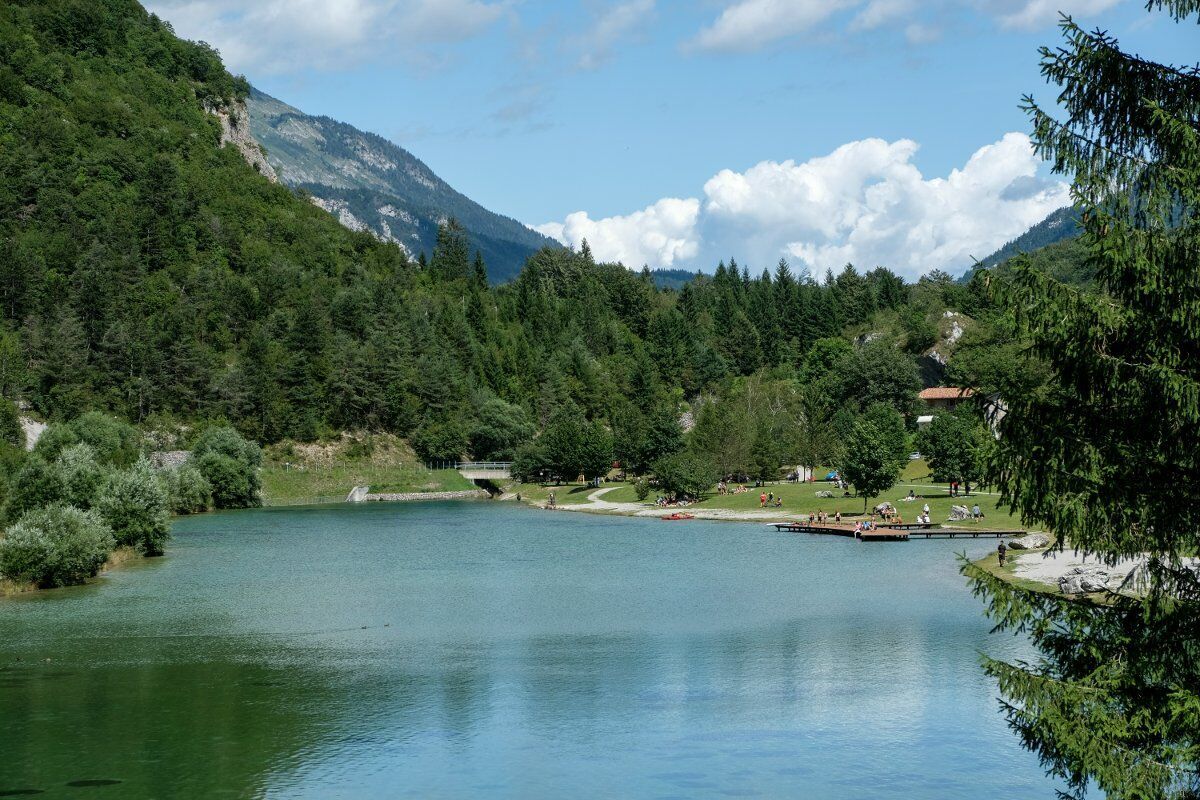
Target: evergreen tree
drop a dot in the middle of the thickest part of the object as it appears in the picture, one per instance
(452, 253)
(11, 431)
(479, 278)
(1105, 455)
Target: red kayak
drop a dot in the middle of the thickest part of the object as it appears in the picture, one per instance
(678, 515)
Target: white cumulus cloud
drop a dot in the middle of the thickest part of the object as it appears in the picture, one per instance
(661, 235)
(868, 204)
(865, 203)
(281, 36)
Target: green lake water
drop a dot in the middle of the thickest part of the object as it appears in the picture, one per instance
(441, 650)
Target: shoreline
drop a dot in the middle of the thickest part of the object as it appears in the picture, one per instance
(117, 559)
(597, 505)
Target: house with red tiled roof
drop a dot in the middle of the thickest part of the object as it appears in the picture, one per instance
(944, 398)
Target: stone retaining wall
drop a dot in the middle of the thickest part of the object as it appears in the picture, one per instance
(463, 495)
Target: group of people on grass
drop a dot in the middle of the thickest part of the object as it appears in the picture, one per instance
(769, 500)
(673, 501)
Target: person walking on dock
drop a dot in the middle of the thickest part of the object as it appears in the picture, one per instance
(1001, 551)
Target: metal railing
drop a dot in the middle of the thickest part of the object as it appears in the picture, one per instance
(484, 465)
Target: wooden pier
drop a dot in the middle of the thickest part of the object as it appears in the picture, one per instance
(894, 532)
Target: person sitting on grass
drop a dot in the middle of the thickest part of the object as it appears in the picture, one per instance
(976, 513)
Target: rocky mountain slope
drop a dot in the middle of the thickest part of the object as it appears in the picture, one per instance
(368, 183)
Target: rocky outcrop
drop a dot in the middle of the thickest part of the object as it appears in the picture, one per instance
(1089, 578)
(1030, 541)
(235, 130)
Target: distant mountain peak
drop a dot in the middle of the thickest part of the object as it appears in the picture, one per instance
(370, 183)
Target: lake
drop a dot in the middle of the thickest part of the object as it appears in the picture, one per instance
(482, 650)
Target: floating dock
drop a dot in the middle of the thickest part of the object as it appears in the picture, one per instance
(894, 532)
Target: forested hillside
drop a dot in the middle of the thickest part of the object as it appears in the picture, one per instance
(149, 272)
(368, 182)
(1061, 227)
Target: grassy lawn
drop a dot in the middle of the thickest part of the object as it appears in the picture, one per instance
(802, 498)
(295, 474)
(564, 493)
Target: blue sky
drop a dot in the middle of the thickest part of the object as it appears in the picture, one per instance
(677, 133)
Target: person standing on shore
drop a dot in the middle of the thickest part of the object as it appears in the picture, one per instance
(1001, 551)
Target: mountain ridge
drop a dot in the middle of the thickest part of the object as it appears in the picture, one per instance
(372, 184)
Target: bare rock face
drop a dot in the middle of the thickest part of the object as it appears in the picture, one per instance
(235, 130)
(33, 431)
(1030, 541)
(169, 459)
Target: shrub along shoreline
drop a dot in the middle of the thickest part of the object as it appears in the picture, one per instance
(86, 498)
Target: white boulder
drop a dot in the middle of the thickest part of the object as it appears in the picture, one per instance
(1030, 541)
